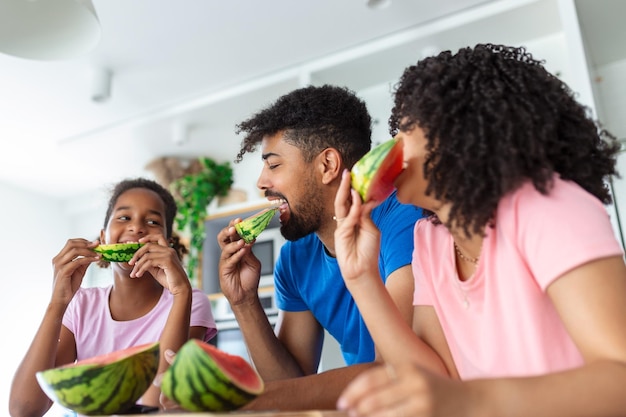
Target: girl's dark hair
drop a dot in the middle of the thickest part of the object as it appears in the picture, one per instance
(495, 118)
(167, 198)
(313, 118)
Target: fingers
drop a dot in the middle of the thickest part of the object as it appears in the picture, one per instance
(157, 255)
(169, 355)
(342, 197)
(373, 393)
(76, 250)
(228, 234)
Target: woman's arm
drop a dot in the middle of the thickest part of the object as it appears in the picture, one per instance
(591, 300)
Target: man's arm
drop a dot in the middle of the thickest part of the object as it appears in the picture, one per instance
(295, 352)
(319, 391)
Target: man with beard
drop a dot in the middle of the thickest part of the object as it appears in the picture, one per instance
(309, 138)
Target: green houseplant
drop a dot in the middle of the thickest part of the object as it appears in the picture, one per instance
(194, 192)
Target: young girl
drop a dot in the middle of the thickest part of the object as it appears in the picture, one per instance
(150, 298)
(520, 283)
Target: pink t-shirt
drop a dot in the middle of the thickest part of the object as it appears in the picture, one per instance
(501, 322)
(88, 317)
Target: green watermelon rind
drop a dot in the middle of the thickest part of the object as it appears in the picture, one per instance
(102, 389)
(118, 252)
(250, 228)
(364, 170)
(196, 381)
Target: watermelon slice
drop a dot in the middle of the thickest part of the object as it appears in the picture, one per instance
(373, 175)
(251, 227)
(205, 378)
(118, 252)
(106, 384)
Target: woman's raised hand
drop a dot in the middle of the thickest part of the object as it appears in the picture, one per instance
(357, 239)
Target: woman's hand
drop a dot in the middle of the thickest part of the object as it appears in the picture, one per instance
(157, 258)
(239, 270)
(357, 239)
(404, 390)
(70, 266)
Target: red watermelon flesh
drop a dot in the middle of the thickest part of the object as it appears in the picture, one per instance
(110, 357)
(374, 174)
(104, 384)
(205, 378)
(236, 368)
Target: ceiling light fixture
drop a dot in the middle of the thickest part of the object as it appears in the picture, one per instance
(101, 85)
(180, 133)
(48, 29)
(378, 4)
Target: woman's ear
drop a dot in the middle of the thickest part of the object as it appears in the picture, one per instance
(102, 237)
(330, 164)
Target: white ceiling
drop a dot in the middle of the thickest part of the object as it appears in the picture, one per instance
(168, 58)
(187, 62)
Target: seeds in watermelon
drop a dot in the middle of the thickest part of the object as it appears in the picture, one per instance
(373, 175)
(106, 384)
(205, 378)
(118, 252)
(250, 228)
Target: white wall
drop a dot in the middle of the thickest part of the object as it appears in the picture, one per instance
(34, 230)
(611, 89)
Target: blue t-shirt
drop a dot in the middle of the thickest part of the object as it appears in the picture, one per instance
(308, 279)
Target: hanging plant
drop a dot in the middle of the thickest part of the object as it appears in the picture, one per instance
(193, 193)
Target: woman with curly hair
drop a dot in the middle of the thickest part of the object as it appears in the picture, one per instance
(520, 283)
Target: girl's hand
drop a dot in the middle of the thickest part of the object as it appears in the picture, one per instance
(239, 270)
(158, 259)
(357, 239)
(404, 390)
(70, 266)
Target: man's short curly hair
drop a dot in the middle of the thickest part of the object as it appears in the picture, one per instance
(495, 118)
(313, 118)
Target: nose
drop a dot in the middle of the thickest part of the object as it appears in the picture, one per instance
(137, 226)
(263, 182)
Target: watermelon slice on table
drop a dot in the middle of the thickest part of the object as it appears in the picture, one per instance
(373, 175)
(106, 384)
(205, 378)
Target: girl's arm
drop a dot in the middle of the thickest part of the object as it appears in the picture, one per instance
(162, 262)
(175, 334)
(53, 344)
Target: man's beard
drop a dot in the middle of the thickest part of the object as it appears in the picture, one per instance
(305, 216)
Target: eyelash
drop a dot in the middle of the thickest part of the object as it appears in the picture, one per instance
(154, 222)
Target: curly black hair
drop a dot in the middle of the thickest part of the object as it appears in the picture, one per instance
(495, 118)
(313, 118)
(170, 209)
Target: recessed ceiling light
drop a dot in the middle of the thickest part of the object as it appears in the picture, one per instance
(378, 4)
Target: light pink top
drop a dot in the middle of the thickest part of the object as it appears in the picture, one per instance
(88, 317)
(501, 322)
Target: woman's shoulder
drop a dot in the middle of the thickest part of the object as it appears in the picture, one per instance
(562, 194)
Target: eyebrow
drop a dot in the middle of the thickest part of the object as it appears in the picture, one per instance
(267, 155)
